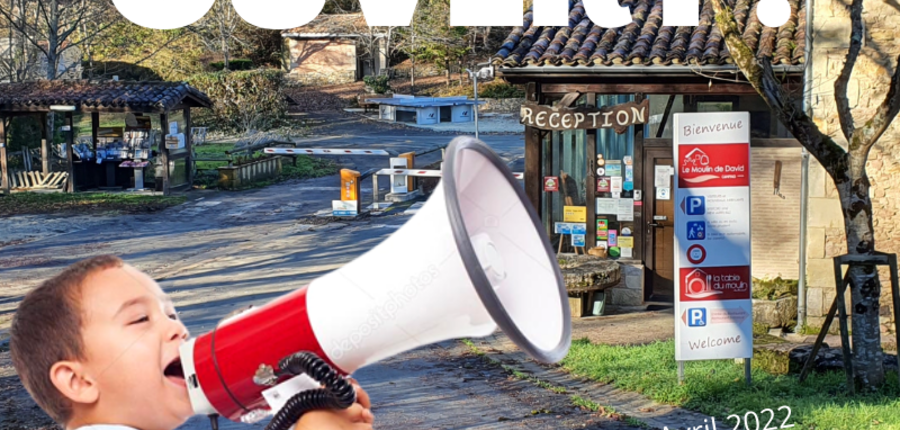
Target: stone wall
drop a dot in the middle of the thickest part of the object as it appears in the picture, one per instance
(322, 62)
(775, 221)
(867, 89)
(629, 292)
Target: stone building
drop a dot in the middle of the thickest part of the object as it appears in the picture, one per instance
(671, 66)
(590, 67)
(334, 49)
(867, 88)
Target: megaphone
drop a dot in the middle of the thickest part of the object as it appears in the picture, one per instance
(474, 258)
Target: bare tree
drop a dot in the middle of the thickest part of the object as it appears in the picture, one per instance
(376, 42)
(21, 60)
(847, 168)
(53, 27)
(219, 30)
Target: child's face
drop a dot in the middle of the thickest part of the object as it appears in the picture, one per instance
(131, 338)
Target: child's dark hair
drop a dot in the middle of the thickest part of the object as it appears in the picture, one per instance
(47, 329)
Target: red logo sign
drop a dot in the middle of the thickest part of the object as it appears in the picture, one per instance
(696, 254)
(716, 283)
(603, 185)
(703, 166)
(551, 183)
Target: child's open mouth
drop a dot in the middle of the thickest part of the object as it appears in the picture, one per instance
(174, 373)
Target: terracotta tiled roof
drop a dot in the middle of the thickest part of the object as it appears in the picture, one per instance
(87, 95)
(349, 23)
(647, 42)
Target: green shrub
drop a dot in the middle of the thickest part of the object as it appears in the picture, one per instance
(236, 64)
(26, 131)
(380, 84)
(773, 289)
(243, 101)
(500, 90)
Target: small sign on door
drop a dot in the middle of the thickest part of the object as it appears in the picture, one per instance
(663, 194)
(551, 184)
(663, 175)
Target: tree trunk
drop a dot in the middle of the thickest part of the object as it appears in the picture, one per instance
(868, 364)
(53, 40)
(225, 51)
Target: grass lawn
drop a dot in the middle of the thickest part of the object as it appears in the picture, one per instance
(48, 203)
(307, 167)
(212, 150)
(717, 388)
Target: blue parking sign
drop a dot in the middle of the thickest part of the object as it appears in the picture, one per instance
(696, 230)
(696, 317)
(694, 205)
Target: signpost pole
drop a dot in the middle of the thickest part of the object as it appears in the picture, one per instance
(747, 370)
(680, 372)
(475, 108)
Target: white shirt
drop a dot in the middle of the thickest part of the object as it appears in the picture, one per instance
(106, 427)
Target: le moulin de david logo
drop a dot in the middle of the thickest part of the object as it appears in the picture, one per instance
(714, 166)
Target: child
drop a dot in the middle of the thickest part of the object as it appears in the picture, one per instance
(93, 346)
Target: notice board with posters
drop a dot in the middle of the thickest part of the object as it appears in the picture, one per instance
(713, 306)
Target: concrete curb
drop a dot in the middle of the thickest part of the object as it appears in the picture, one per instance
(656, 416)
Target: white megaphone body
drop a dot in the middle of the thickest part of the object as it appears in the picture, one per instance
(474, 258)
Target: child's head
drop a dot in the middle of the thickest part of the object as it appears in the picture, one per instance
(98, 344)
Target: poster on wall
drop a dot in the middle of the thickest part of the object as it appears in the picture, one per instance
(603, 184)
(602, 224)
(606, 206)
(578, 240)
(574, 214)
(662, 176)
(615, 184)
(713, 307)
(614, 168)
(625, 209)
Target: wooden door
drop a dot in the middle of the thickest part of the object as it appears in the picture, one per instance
(659, 226)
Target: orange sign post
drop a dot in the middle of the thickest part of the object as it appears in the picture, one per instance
(349, 185)
(410, 164)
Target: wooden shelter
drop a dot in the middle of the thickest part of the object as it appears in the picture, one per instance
(68, 97)
(584, 69)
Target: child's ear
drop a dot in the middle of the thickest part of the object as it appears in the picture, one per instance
(72, 381)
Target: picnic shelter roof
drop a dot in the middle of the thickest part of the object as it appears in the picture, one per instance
(100, 96)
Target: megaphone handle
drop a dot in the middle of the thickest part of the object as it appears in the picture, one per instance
(337, 394)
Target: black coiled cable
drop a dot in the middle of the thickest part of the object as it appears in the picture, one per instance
(337, 394)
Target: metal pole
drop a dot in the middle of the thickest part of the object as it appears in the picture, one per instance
(680, 372)
(70, 142)
(747, 370)
(475, 80)
(804, 171)
(375, 192)
(804, 211)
